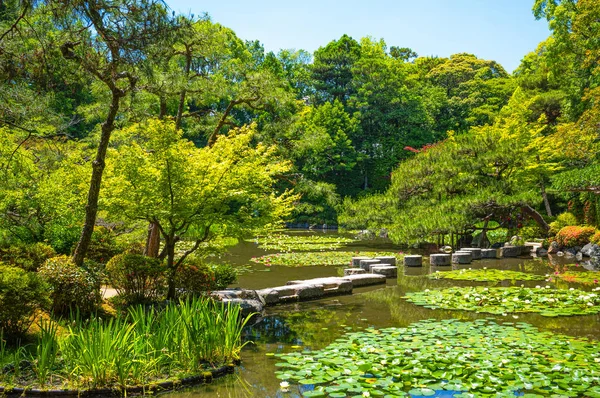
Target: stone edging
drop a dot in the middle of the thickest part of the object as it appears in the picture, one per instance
(205, 377)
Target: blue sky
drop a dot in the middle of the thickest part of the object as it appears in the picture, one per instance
(502, 30)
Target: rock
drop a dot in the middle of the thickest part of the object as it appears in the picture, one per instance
(462, 257)
(527, 249)
(571, 250)
(568, 254)
(365, 279)
(541, 252)
(560, 254)
(510, 251)
(389, 271)
(440, 259)
(365, 234)
(383, 233)
(553, 248)
(353, 271)
(413, 261)
(329, 286)
(593, 264)
(356, 261)
(591, 250)
(247, 306)
(446, 249)
(579, 256)
(366, 264)
(475, 252)
(489, 253)
(497, 245)
(515, 240)
(387, 259)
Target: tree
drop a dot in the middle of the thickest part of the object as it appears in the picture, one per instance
(194, 194)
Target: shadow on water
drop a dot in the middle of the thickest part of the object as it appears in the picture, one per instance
(314, 325)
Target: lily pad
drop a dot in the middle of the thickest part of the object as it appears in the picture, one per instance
(303, 259)
(485, 275)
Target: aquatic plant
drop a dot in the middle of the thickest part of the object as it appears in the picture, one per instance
(288, 243)
(499, 300)
(478, 358)
(305, 259)
(585, 277)
(485, 275)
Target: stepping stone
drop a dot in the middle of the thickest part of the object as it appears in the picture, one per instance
(366, 264)
(359, 280)
(440, 259)
(461, 257)
(510, 251)
(413, 261)
(389, 271)
(489, 253)
(356, 261)
(354, 271)
(475, 252)
(387, 259)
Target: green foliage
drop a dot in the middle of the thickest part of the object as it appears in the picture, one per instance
(103, 245)
(71, 287)
(307, 259)
(575, 236)
(498, 300)
(468, 358)
(27, 256)
(586, 278)
(562, 220)
(289, 243)
(22, 293)
(485, 275)
(138, 279)
(194, 278)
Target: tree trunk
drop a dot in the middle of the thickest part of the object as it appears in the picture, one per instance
(170, 247)
(484, 239)
(153, 241)
(537, 217)
(545, 197)
(91, 207)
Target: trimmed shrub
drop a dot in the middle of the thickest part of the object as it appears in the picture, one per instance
(596, 238)
(30, 257)
(137, 278)
(22, 293)
(574, 236)
(563, 220)
(71, 287)
(194, 278)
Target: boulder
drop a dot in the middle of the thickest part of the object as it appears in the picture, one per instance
(461, 257)
(387, 259)
(553, 248)
(353, 271)
(510, 251)
(475, 252)
(389, 271)
(593, 264)
(579, 256)
(497, 245)
(250, 301)
(591, 250)
(489, 253)
(440, 259)
(413, 261)
(541, 252)
(366, 264)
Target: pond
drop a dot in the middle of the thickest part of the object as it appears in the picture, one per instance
(316, 324)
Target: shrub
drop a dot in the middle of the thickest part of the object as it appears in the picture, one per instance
(574, 236)
(596, 238)
(103, 245)
(71, 287)
(194, 278)
(137, 278)
(30, 257)
(22, 293)
(531, 232)
(563, 220)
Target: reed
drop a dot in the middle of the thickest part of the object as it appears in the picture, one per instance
(46, 351)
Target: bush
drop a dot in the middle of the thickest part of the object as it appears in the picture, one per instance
(574, 236)
(29, 257)
(137, 278)
(563, 220)
(103, 245)
(71, 287)
(194, 278)
(531, 232)
(22, 293)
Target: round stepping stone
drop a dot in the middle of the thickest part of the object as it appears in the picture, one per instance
(489, 253)
(475, 252)
(390, 271)
(354, 271)
(366, 264)
(387, 259)
(510, 251)
(356, 261)
(440, 259)
(413, 261)
(462, 257)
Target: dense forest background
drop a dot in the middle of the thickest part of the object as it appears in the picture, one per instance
(369, 131)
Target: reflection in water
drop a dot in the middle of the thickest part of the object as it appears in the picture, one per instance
(313, 325)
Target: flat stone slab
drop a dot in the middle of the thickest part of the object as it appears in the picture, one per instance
(440, 259)
(366, 264)
(461, 257)
(354, 271)
(475, 252)
(329, 285)
(489, 253)
(356, 261)
(510, 251)
(387, 259)
(249, 300)
(413, 261)
(359, 280)
(389, 271)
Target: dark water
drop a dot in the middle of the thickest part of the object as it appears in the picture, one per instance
(313, 325)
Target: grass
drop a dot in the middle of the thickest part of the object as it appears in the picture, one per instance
(143, 346)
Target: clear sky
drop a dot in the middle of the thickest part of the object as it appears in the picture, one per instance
(501, 30)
